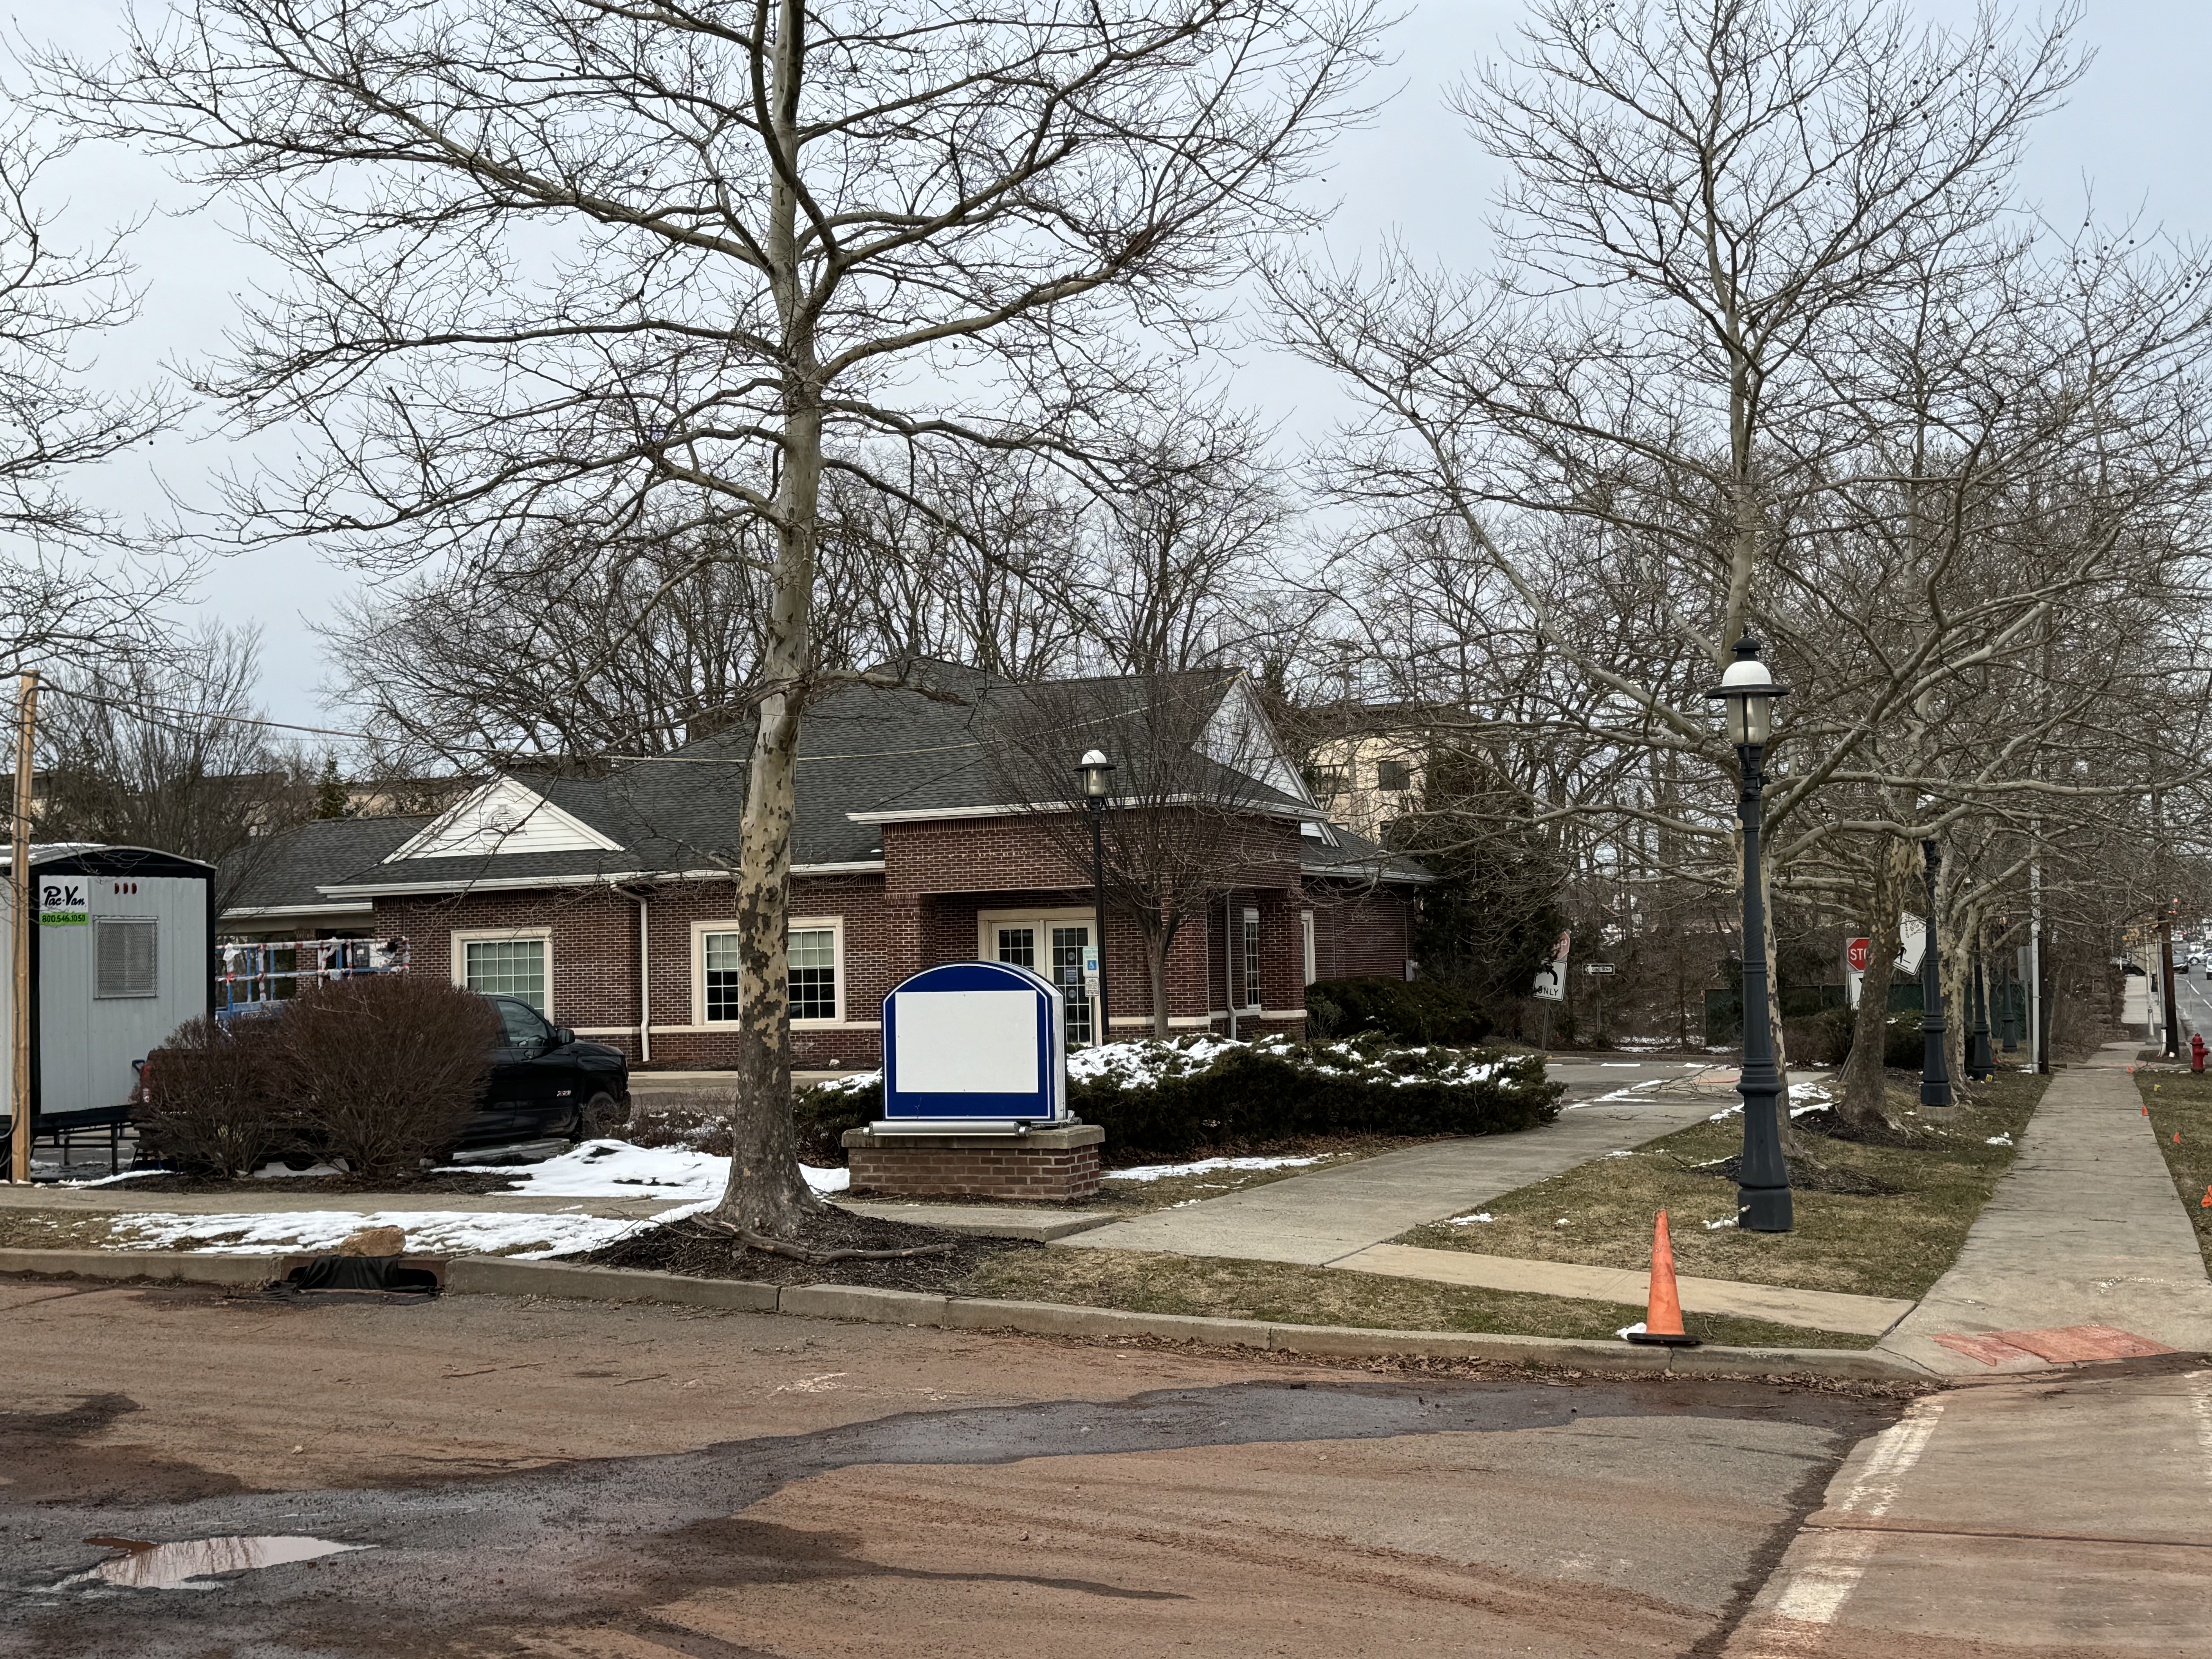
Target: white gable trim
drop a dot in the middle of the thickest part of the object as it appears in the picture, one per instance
(1242, 738)
(504, 816)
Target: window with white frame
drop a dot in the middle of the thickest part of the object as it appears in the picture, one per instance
(1251, 959)
(504, 965)
(1306, 937)
(815, 955)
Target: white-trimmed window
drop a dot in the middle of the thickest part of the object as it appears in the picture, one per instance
(1306, 932)
(1251, 958)
(816, 951)
(506, 961)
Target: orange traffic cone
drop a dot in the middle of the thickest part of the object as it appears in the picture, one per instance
(1663, 1319)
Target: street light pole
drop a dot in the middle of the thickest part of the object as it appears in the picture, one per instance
(1097, 783)
(1762, 1201)
(1935, 1066)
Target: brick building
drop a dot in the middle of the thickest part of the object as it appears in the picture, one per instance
(605, 899)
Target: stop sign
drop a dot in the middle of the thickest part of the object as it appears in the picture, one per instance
(1858, 952)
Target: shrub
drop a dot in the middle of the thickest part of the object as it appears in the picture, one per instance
(385, 1069)
(1902, 1045)
(1410, 1009)
(212, 1105)
(1170, 1098)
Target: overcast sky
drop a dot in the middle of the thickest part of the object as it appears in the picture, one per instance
(2138, 130)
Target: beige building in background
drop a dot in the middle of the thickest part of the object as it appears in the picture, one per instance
(1367, 783)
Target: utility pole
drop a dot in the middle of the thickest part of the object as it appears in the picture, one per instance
(26, 918)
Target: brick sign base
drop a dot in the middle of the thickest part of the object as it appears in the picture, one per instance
(1056, 1164)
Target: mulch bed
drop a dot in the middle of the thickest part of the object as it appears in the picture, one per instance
(1808, 1176)
(694, 1247)
(1826, 1122)
(491, 1181)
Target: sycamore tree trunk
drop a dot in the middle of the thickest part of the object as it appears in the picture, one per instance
(1156, 961)
(767, 1194)
(1863, 1102)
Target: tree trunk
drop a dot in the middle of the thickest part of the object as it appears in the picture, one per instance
(767, 1194)
(1157, 962)
(1863, 1103)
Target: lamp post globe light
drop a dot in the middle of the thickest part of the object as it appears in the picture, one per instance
(1097, 785)
(1763, 1204)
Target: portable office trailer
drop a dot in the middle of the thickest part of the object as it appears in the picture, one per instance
(122, 953)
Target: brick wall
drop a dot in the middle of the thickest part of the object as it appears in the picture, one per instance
(1361, 932)
(941, 877)
(992, 1171)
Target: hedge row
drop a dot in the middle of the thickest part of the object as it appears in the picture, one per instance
(1170, 1099)
(1410, 1009)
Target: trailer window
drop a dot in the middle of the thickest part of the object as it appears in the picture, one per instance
(126, 947)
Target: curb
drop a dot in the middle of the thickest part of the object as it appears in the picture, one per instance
(493, 1275)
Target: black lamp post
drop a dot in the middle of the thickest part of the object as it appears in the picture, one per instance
(1934, 1067)
(1980, 1065)
(1097, 784)
(1763, 1204)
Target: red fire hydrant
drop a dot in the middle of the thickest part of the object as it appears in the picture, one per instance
(2196, 1051)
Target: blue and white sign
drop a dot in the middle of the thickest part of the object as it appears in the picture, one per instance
(978, 1043)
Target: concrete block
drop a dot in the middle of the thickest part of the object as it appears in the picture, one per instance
(1347, 1342)
(859, 1302)
(173, 1266)
(1066, 1319)
(1850, 1364)
(493, 1275)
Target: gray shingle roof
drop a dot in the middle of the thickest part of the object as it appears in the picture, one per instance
(957, 740)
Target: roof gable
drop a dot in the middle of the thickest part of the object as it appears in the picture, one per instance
(505, 816)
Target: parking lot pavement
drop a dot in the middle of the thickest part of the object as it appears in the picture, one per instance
(576, 1479)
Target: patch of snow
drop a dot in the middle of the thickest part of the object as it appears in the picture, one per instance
(115, 1180)
(1561, 1222)
(1620, 1155)
(275, 1169)
(1206, 1166)
(1725, 1221)
(615, 1169)
(1469, 1220)
(1627, 1331)
(1998, 1140)
(429, 1232)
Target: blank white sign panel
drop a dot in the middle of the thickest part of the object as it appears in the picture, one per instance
(967, 1042)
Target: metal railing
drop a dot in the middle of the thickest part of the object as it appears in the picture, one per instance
(258, 972)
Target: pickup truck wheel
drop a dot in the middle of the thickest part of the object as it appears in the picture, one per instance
(600, 1115)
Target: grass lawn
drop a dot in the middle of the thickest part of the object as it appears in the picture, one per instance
(2181, 1104)
(1600, 1212)
(1220, 1288)
(54, 1229)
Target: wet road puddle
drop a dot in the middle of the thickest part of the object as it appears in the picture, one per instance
(189, 1562)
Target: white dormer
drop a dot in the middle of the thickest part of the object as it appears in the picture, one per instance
(1241, 738)
(503, 816)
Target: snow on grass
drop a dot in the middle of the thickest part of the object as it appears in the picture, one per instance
(615, 1169)
(1469, 1220)
(1206, 1166)
(428, 1232)
(1803, 1098)
(1998, 1140)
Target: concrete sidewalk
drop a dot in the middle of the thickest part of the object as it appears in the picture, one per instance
(2069, 1517)
(1319, 1218)
(2085, 1229)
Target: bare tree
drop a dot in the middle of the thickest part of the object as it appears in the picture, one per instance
(162, 749)
(72, 578)
(1203, 801)
(554, 260)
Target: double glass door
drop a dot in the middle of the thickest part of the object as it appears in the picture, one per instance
(1062, 945)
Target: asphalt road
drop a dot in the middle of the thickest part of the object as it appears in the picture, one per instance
(564, 1479)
